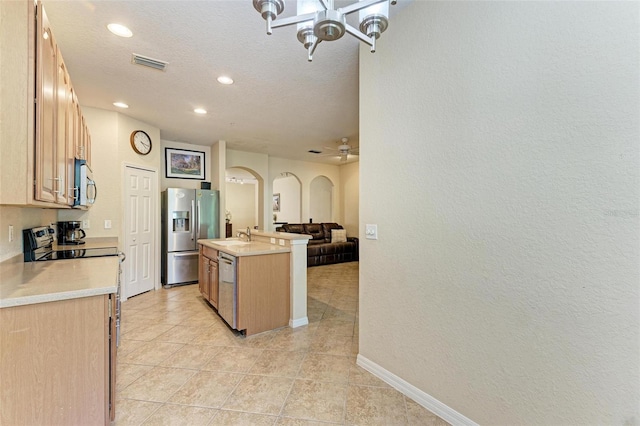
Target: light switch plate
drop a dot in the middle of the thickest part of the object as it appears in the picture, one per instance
(281, 241)
(107, 224)
(371, 232)
(272, 240)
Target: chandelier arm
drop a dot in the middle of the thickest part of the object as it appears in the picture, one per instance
(292, 20)
(312, 48)
(354, 7)
(360, 36)
(326, 4)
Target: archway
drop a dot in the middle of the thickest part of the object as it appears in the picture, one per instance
(243, 201)
(321, 199)
(287, 195)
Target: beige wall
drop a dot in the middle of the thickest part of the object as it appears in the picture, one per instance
(20, 218)
(505, 280)
(350, 197)
(110, 151)
(306, 172)
(290, 191)
(270, 168)
(185, 183)
(241, 202)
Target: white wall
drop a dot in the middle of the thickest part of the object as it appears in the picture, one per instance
(505, 280)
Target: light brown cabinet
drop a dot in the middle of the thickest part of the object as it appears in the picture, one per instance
(58, 362)
(263, 292)
(41, 142)
(208, 275)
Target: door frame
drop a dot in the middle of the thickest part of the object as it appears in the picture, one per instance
(123, 217)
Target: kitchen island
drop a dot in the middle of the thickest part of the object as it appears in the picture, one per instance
(251, 289)
(255, 285)
(57, 341)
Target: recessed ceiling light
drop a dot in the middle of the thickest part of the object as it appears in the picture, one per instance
(120, 30)
(223, 79)
(121, 105)
(200, 111)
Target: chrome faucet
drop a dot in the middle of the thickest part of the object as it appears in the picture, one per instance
(247, 234)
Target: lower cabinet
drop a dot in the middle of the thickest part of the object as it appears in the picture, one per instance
(262, 289)
(208, 275)
(58, 362)
(263, 292)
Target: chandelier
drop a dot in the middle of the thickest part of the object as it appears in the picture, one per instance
(318, 20)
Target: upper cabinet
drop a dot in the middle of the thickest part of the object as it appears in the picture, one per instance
(47, 130)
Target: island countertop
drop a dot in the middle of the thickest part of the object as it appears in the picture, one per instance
(235, 247)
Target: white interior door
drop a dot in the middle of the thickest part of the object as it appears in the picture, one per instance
(141, 198)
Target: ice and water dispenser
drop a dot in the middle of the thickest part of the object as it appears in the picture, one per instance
(181, 222)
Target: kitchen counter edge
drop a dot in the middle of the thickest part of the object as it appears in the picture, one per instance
(253, 248)
(28, 283)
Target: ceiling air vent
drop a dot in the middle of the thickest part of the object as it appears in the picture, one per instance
(148, 62)
(315, 151)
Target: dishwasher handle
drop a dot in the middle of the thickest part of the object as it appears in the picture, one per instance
(226, 258)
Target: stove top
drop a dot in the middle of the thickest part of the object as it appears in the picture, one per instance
(78, 253)
(38, 246)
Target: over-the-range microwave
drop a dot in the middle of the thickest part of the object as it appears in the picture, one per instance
(85, 189)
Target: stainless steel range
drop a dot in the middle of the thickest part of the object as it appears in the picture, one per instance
(38, 246)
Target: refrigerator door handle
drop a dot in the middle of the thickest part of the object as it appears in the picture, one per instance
(198, 219)
(185, 254)
(193, 220)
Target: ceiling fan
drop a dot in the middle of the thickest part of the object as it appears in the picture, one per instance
(343, 150)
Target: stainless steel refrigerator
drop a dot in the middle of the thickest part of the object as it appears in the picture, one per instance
(187, 215)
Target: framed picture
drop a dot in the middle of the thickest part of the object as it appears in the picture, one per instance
(184, 164)
(276, 202)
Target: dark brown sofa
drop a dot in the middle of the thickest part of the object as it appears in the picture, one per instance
(320, 249)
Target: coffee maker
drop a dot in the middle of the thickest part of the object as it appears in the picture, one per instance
(70, 232)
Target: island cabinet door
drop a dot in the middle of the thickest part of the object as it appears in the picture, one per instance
(263, 292)
(213, 283)
(204, 274)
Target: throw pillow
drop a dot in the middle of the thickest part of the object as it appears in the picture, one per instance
(338, 235)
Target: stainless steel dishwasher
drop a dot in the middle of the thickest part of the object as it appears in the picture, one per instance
(227, 289)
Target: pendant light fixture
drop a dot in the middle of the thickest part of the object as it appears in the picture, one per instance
(318, 20)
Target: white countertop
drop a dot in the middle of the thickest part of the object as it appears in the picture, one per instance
(26, 283)
(253, 248)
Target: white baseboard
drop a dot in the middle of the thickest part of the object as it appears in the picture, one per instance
(427, 401)
(298, 322)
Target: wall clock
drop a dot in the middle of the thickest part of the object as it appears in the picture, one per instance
(140, 142)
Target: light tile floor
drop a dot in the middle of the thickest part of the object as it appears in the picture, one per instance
(180, 364)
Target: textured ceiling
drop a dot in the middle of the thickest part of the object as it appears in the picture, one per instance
(280, 104)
